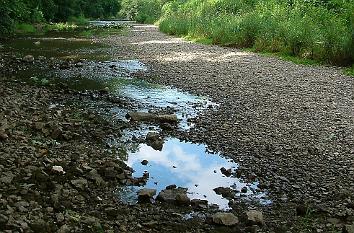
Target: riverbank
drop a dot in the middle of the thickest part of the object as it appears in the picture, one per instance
(289, 125)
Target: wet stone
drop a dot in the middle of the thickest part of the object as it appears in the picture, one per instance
(170, 195)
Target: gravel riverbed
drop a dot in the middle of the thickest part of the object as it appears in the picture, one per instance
(288, 125)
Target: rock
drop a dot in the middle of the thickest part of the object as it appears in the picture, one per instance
(244, 190)
(81, 184)
(93, 175)
(226, 172)
(145, 116)
(152, 136)
(28, 58)
(144, 162)
(170, 195)
(226, 219)
(58, 169)
(199, 204)
(225, 192)
(255, 217)
(3, 136)
(145, 195)
(172, 186)
(156, 145)
(104, 90)
(154, 140)
(182, 199)
(79, 64)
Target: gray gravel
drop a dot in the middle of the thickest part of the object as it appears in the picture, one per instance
(289, 125)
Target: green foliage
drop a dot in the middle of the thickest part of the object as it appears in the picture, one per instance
(25, 28)
(40, 11)
(143, 11)
(309, 29)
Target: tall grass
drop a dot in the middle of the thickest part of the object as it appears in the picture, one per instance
(311, 29)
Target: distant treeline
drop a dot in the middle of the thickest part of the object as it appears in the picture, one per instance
(36, 11)
(316, 29)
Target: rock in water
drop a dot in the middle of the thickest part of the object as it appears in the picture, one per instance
(144, 162)
(226, 219)
(28, 58)
(154, 140)
(145, 116)
(178, 196)
(255, 217)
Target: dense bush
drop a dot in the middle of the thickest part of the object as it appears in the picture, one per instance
(315, 29)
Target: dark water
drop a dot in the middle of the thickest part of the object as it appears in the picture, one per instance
(184, 164)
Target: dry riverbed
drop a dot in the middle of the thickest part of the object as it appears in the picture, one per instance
(288, 127)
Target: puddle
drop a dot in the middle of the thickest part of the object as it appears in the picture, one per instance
(189, 166)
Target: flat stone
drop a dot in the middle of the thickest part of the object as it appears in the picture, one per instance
(145, 116)
(226, 219)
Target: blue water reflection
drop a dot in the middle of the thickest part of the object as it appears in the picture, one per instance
(190, 166)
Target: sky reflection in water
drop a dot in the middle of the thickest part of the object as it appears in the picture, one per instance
(186, 165)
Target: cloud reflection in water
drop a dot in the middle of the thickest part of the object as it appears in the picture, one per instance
(186, 165)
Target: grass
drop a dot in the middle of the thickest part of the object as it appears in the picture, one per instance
(349, 71)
